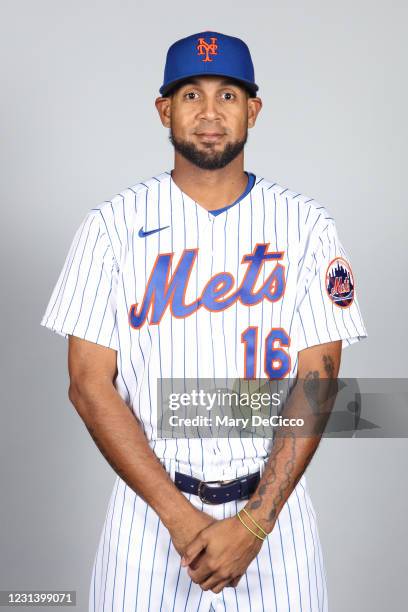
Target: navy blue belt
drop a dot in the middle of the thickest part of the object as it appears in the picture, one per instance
(228, 490)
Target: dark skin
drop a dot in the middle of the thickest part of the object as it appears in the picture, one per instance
(197, 112)
(210, 113)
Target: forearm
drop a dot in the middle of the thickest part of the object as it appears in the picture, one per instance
(120, 438)
(311, 400)
(287, 462)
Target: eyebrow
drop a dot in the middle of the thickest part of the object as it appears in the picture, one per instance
(195, 81)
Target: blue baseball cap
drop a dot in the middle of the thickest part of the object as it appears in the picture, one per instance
(208, 53)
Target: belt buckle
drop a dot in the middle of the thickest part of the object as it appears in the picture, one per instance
(205, 482)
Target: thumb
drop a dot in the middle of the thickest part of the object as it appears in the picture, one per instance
(193, 550)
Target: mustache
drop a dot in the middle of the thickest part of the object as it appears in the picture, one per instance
(216, 129)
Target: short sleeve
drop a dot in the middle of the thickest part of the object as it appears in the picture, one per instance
(83, 301)
(327, 306)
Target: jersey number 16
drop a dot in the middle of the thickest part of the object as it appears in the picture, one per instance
(276, 359)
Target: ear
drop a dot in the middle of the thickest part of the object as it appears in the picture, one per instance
(254, 107)
(163, 106)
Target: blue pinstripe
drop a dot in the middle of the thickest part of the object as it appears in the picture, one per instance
(154, 559)
(65, 277)
(110, 534)
(86, 280)
(272, 574)
(314, 545)
(296, 559)
(96, 293)
(283, 558)
(77, 277)
(165, 574)
(117, 548)
(140, 556)
(135, 498)
(304, 540)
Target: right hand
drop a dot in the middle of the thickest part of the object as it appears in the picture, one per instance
(184, 531)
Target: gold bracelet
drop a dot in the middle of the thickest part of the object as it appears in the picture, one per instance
(249, 529)
(254, 521)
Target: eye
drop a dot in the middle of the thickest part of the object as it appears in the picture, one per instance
(228, 95)
(190, 95)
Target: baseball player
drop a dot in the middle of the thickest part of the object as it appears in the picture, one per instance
(203, 271)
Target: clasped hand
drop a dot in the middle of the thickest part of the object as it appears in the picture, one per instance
(220, 554)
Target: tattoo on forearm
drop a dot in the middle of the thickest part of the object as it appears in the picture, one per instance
(328, 365)
(311, 389)
(270, 477)
(317, 391)
(289, 481)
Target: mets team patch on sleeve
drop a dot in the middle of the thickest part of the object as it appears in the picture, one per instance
(340, 282)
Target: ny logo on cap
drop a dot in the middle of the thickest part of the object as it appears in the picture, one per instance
(207, 49)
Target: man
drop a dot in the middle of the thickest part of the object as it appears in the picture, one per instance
(206, 271)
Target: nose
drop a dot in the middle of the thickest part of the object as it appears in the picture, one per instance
(209, 109)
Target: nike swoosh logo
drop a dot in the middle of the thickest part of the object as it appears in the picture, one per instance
(143, 234)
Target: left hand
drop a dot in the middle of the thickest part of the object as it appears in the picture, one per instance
(220, 554)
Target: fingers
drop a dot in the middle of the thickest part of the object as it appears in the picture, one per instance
(234, 582)
(215, 583)
(206, 576)
(221, 585)
(196, 561)
(201, 571)
(193, 550)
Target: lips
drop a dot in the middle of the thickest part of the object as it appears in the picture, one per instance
(210, 135)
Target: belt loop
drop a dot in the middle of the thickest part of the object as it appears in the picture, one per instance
(171, 468)
(262, 464)
(244, 488)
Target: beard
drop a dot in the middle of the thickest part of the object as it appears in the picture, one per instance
(208, 159)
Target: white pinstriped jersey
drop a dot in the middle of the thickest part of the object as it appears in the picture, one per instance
(107, 271)
(182, 293)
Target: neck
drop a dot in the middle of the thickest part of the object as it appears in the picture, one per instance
(211, 189)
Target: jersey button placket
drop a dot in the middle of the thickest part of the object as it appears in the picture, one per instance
(206, 249)
(215, 227)
(211, 218)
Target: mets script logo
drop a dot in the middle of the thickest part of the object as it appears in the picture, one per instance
(340, 282)
(207, 48)
(165, 290)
